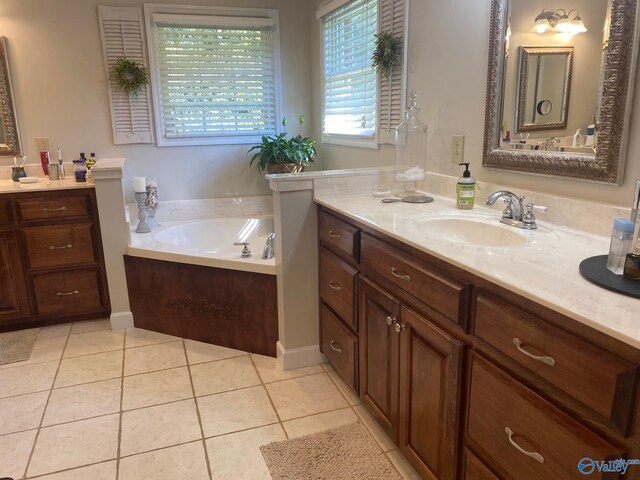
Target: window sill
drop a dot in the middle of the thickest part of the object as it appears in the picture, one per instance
(345, 141)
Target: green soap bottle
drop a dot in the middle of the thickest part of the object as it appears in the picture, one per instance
(465, 189)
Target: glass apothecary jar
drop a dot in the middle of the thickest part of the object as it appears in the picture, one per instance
(411, 148)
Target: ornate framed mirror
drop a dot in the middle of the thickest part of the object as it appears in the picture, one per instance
(10, 145)
(599, 80)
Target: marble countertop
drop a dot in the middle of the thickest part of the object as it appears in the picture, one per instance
(545, 270)
(43, 184)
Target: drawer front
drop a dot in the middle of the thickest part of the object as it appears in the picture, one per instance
(59, 246)
(564, 360)
(528, 437)
(338, 284)
(340, 346)
(6, 216)
(68, 292)
(66, 206)
(438, 290)
(474, 469)
(339, 234)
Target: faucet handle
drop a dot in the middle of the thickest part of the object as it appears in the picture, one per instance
(529, 218)
(246, 251)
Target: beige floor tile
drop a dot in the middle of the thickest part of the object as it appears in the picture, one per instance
(237, 410)
(224, 375)
(303, 396)
(83, 401)
(27, 379)
(94, 342)
(199, 352)
(327, 367)
(44, 350)
(138, 337)
(237, 456)
(319, 423)
(154, 357)
(90, 326)
(14, 453)
(89, 368)
(402, 465)
(348, 393)
(23, 412)
(54, 331)
(160, 426)
(374, 429)
(99, 471)
(270, 370)
(155, 388)
(184, 461)
(75, 444)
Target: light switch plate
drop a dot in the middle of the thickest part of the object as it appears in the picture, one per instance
(457, 150)
(43, 144)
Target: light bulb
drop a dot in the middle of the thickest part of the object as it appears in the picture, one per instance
(542, 25)
(577, 26)
(564, 25)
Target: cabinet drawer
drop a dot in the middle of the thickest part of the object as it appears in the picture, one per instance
(474, 469)
(338, 284)
(60, 245)
(53, 207)
(6, 216)
(571, 364)
(68, 292)
(340, 346)
(339, 234)
(445, 294)
(528, 437)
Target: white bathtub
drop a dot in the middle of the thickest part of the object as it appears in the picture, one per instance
(208, 242)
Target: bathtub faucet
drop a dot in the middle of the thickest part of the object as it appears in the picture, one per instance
(267, 253)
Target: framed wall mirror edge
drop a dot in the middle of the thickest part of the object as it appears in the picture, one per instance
(556, 155)
(10, 144)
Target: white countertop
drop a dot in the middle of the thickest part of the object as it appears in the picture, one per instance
(545, 270)
(43, 184)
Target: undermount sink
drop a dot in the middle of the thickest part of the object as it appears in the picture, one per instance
(468, 229)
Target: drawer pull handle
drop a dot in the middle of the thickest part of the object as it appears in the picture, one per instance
(61, 247)
(402, 276)
(335, 235)
(61, 209)
(544, 359)
(335, 346)
(535, 455)
(390, 320)
(67, 294)
(335, 286)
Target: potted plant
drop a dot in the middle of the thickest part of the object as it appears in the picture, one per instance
(277, 154)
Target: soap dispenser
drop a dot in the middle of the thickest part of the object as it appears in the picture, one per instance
(465, 189)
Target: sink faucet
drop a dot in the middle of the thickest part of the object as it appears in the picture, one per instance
(550, 142)
(267, 253)
(514, 214)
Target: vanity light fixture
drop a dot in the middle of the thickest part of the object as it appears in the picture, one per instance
(559, 22)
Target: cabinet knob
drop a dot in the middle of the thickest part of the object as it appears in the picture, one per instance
(390, 320)
(400, 328)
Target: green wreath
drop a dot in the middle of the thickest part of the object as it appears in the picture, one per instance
(386, 54)
(128, 76)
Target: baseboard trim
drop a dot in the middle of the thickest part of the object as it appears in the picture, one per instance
(121, 320)
(300, 357)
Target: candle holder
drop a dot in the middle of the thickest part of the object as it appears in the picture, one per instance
(141, 200)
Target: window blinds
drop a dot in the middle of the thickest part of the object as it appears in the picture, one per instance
(216, 76)
(350, 83)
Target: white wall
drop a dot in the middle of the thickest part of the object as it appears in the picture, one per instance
(448, 51)
(61, 92)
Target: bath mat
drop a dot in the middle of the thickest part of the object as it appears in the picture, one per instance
(343, 453)
(17, 346)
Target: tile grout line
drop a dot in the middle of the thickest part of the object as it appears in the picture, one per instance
(195, 401)
(264, 385)
(121, 415)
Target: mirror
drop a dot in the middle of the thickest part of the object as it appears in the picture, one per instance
(573, 72)
(10, 145)
(544, 88)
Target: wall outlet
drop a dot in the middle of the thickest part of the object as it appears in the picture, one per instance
(457, 150)
(43, 144)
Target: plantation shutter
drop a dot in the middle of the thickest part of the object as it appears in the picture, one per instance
(216, 76)
(121, 30)
(392, 89)
(350, 87)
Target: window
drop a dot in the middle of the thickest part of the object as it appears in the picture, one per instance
(350, 85)
(214, 74)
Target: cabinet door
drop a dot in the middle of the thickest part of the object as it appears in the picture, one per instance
(13, 294)
(379, 350)
(430, 378)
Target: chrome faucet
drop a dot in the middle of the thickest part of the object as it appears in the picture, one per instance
(268, 252)
(514, 214)
(550, 142)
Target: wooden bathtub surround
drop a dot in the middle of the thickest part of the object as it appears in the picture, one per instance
(224, 307)
(51, 262)
(470, 380)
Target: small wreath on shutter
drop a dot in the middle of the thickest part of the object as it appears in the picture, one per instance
(386, 54)
(128, 76)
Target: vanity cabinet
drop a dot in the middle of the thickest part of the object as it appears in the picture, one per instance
(52, 268)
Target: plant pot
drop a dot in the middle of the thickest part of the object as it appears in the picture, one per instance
(285, 168)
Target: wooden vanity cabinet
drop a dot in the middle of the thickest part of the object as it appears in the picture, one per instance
(14, 302)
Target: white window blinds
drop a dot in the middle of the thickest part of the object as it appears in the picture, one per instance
(349, 103)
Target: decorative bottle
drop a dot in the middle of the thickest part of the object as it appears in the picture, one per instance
(411, 148)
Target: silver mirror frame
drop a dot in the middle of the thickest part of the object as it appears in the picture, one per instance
(615, 106)
(12, 146)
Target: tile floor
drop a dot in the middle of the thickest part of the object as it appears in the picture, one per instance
(97, 404)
